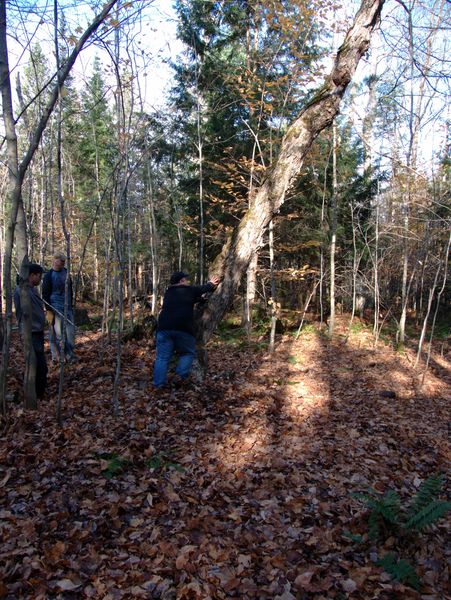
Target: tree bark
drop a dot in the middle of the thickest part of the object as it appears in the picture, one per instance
(333, 231)
(273, 302)
(153, 232)
(251, 289)
(267, 200)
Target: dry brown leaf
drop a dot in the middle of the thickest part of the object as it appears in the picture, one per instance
(67, 585)
(349, 586)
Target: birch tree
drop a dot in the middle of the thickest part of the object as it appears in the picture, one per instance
(269, 197)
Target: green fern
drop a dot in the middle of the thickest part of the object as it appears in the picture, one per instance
(388, 517)
(428, 515)
(389, 507)
(400, 570)
(115, 466)
(374, 526)
(161, 462)
(384, 510)
(367, 499)
(424, 510)
(427, 492)
(356, 538)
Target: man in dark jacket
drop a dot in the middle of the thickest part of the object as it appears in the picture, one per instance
(54, 294)
(37, 325)
(175, 328)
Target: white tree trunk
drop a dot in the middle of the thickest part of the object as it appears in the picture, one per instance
(333, 231)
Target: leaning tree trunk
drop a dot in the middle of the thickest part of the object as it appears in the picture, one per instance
(267, 200)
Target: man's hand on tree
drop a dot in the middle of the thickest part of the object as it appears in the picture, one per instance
(215, 280)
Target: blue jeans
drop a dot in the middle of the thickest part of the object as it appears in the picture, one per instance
(56, 335)
(168, 342)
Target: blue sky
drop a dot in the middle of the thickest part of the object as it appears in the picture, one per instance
(155, 43)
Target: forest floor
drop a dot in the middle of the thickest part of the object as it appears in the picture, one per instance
(239, 489)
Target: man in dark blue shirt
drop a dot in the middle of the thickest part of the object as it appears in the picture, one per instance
(54, 294)
(175, 328)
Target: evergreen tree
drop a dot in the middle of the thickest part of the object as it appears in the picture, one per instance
(97, 147)
(248, 66)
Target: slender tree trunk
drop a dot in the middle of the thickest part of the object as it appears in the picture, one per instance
(323, 243)
(333, 231)
(26, 307)
(355, 268)
(442, 263)
(99, 201)
(42, 200)
(153, 244)
(251, 286)
(201, 189)
(117, 373)
(96, 265)
(107, 286)
(439, 295)
(121, 201)
(130, 269)
(273, 300)
(376, 272)
(405, 268)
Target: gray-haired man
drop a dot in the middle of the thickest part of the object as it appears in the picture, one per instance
(54, 294)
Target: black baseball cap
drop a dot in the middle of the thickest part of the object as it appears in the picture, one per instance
(34, 269)
(178, 276)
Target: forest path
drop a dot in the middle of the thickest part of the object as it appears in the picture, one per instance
(239, 490)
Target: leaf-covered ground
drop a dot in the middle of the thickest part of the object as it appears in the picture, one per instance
(240, 489)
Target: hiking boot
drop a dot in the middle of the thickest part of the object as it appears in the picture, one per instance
(180, 382)
(159, 391)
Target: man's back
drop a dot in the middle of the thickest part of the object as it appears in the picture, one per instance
(178, 305)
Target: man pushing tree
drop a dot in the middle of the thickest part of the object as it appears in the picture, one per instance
(175, 328)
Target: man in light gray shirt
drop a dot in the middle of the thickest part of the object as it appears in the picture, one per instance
(38, 324)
